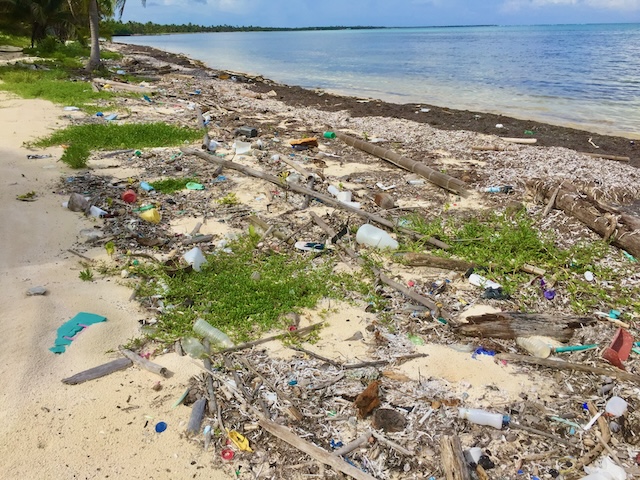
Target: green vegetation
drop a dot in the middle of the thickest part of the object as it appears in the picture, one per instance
(53, 84)
(82, 139)
(243, 293)
(115, 27)
(170, 185)
(503, 244)
(86, 275)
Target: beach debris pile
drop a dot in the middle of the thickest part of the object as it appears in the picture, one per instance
(453, 377)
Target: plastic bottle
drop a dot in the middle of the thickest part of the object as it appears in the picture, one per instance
(193, 347)
(616, 407)
(481, 417)
(195, 258)
(480, 281)
(129, 196)
(215, 336)
(375, 237)
(536, 346)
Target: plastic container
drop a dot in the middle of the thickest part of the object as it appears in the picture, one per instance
(534, 346)
(616, 407)
(146, 186)
(480, 281)
(474, 454)
(481, 417)
(195, 258)
(329, 135)
(215, 336)
(151, 215)
(193, 347)
(129, 196)
(375, 237)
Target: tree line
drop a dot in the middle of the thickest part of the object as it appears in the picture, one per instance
(117, 28)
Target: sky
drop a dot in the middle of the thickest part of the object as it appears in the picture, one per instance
(388, 13)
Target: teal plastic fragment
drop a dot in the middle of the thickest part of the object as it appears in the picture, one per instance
(574, 348)
(68, 330)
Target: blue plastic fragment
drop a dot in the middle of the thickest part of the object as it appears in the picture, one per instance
(335, 445)
(482, 351)
(293, 382)
(615, 314)
(161, 427)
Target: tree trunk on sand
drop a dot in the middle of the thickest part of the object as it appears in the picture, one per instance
(94, 27)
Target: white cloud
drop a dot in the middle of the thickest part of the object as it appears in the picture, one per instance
(227, 6)
(513, 5)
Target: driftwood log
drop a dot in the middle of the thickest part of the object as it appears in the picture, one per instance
(452, 459)
(326, 199)
(433, 261)
(622, 229)
(434, 176)
(510, 325)
(144, 363)
(578, 367)
(99, 371)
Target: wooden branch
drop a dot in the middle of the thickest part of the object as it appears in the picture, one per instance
(326, 199)
(617, 158)
(123, 86)
(296, 166)
(452, 458)
(426, 260)
(144, 363)
(622, 230)
(99, 371)
(541, 433)
(351, 446)
(197, 239)
(434, 176)
(561, 365)
(312, 450)
(552, 202)
(295, 333)
(510, 325)
(197, 413)
(523, 141)
(391, 444)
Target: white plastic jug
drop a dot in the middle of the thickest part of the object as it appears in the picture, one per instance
(481, 417)
(195, 258)
(374, 237)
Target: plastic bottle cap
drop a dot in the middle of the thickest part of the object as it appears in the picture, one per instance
(161, 427)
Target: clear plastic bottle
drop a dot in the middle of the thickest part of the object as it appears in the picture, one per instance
(481, 417)
(217, 337)
(193, 347)
(480, 281)
(536, 346)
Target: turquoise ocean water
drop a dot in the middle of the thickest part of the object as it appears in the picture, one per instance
(584, 76)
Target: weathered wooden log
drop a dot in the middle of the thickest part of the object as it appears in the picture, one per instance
(426, 260)
(510, 325)
(621, 229)
(197, 414)
(305, 191)
(522, 141)
(312, 450)
(578, 367)
(617, 158)
(434, 176)
(197, 239)
(144, 363)
(452, 458)
(99, 371)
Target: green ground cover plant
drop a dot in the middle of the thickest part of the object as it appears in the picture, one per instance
(170, 185)
(243, 293)
(82, 139)
(501, 244)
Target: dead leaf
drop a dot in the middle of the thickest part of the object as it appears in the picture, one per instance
(368, 400)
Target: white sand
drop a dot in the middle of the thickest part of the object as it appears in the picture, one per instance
(96, 429)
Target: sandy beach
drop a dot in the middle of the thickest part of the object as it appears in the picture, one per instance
(106, 428)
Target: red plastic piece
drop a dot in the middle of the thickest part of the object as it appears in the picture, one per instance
(227, 454)
(619, 349)
(129, 196)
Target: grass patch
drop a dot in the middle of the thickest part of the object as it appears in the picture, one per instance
(14, 40)
(53, 85)
(82, 139)
(170, 185)
(243, 293)
(502, 245)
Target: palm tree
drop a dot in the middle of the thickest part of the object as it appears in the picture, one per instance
(42, 16)
(95, 10)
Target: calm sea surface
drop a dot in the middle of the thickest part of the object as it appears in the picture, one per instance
(584, 76)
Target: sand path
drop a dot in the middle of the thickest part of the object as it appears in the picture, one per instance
(99, 429)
